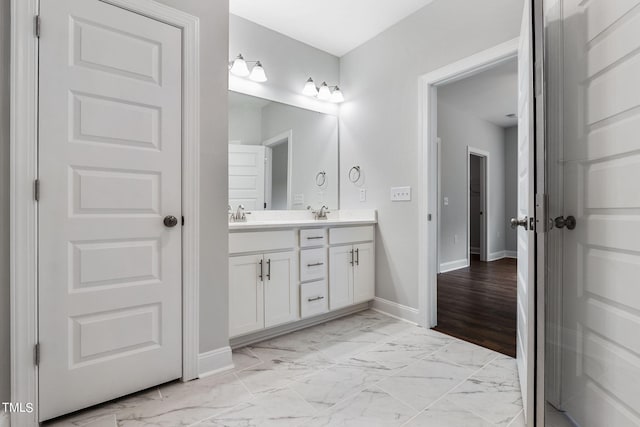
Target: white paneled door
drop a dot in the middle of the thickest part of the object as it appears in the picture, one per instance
(110, 170)
(247, 176)
(525, 351)
(601, 263)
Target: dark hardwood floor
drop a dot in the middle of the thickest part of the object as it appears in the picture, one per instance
(478, 304)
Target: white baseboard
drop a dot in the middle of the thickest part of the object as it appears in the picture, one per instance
(5, 419)
(474, 250)
(215, 361)
(511, 254)
(502, 254)
(454, 265)
(393, 309)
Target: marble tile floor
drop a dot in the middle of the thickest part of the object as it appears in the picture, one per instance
(363, 370)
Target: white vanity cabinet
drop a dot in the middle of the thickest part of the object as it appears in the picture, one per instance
(263, 286)
(352, 266)
(280, 276)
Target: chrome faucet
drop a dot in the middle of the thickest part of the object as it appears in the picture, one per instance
(321, 213)
(239, 216)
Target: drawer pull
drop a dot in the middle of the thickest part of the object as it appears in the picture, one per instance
(316, 264)
(315, 237)
(314, 299)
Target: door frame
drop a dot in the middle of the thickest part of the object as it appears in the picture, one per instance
(484, 203)
(428, 211)
(269, 144)
(24, 208)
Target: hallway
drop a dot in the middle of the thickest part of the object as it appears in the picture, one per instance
(478, 304)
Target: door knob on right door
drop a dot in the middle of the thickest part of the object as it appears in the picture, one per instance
(562, 222)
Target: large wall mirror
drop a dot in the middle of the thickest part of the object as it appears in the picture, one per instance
(281, 156)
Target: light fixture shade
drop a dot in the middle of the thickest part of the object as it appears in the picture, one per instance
(324, 93)
(258, 74)
(337, 96)
(310, 88)
(239, 67)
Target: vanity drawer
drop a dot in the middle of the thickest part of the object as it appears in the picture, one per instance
(313, 237)
(260, 241)
(343, 235)
(313, 298)
(313, 264)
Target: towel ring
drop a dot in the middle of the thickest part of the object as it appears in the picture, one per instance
(354, 174)
(321, 178)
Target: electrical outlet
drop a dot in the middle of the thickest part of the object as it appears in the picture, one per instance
(298, 199)
(399, 194)
(363, 194)
(446, 201)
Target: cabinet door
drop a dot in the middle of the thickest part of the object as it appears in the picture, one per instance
(246, 297)
(280, 288)
(363, 273)
(340, 276)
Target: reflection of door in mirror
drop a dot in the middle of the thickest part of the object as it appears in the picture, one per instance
(246, 176)
(278, 171)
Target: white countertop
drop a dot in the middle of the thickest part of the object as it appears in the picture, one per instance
(285, 219)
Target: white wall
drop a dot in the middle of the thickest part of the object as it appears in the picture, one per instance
(315, 149)
(214, 44)
(458, 129)
(5, 384)
(245, 124)
(379, 122)
(287, 62)
(511, 186)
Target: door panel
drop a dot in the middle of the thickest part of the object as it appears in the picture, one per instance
(525, 351)
(601, 296)
(246, 296)
(110, 282)
(340, 276)
(280, 289)
(247, 176)
(363, 273)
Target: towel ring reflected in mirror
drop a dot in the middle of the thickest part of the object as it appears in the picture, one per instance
(321, 178)
(354, 174)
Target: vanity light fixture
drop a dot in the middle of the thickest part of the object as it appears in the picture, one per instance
(324, 92)
(239, 67)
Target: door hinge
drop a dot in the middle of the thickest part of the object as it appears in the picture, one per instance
(542, 224)
(429, 217)
(37, 25)
(36, 354)
(183, 220)
(36, 190)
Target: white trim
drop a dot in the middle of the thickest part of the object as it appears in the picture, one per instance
(428, 83)
(277, 140)
(23, 244)
(215, 361)
(446, 267)
(484, 202)
(398, 311)
(23, 214)
(474, 250)
(511, 254)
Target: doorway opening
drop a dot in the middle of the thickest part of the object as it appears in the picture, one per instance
(278, 170)
(477, 280)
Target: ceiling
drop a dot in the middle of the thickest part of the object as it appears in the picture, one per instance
(334, 26)
(489, 95)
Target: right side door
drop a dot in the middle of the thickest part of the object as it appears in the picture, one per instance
(600, 383)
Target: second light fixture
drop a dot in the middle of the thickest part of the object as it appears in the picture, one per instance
(324, 92)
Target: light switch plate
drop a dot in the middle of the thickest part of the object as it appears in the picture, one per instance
(400, 194)
(363, 194)
(446, 201)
